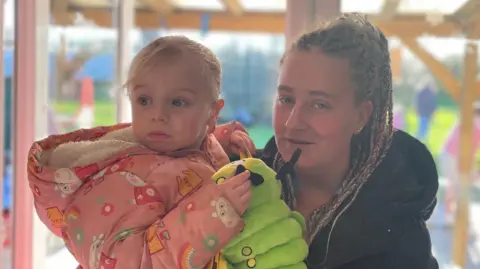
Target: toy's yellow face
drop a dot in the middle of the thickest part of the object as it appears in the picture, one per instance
(265, 186)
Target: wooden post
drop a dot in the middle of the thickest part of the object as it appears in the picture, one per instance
(438, 69)
(465, 164)
(302, 15)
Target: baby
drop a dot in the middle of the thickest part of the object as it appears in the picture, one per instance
(139, 195)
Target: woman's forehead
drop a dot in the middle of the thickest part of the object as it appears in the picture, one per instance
(315, 71)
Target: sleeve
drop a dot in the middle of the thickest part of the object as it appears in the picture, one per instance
(189, 234)
(224, 132)
(410, 248)
(50, 197)
(413, 248)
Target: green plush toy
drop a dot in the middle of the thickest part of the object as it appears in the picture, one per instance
(273, 234)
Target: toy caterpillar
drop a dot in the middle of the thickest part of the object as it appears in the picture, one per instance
(273, 234)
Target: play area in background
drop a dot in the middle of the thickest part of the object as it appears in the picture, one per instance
(443, 121)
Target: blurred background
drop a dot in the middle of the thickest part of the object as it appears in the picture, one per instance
(64, 61)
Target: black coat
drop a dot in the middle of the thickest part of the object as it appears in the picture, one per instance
(385, 226)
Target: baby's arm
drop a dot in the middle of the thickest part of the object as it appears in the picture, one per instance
(52, 184)
(189, 235)
(234, 139)
(51, 197)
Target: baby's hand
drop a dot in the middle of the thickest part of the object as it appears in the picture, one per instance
(234, 138)
(241, 143)
(237, 191)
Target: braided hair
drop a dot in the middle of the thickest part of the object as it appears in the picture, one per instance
(352, 37)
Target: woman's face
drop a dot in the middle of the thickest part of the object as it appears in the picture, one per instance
(315, 109)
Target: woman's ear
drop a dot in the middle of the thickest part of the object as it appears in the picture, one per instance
(365, 112)
(215, 112)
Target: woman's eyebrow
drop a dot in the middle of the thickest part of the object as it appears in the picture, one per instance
(284, 88)
(318, 93)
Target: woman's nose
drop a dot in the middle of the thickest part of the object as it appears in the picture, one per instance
(296, 119)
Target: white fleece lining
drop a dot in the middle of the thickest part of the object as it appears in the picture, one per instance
(81, 153)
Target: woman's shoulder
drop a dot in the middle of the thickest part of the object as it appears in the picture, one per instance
(404, 245)
(389, 214)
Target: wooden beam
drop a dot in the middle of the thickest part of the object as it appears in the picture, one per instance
(233, 7)
(163, 7)
(438, 69)
(466, 164)
(389, 8)
(60, 12)
(467, 11)
(271, 22)
(220, 21)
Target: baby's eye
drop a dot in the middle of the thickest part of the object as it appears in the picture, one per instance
(179, 102)
(144, 101)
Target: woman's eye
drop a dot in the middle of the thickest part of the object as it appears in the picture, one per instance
(319, 105)
(144, 101)
(179, 102)
(285, 100)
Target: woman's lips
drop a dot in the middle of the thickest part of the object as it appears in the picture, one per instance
(299, 141)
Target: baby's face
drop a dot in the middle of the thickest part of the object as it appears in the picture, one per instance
(172, 106)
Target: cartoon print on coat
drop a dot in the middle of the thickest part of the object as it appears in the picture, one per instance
(95, 251)
(155, 245)
(106, 262)
(143, 193)
(133, 179)
(32, 162)
(225, 212)
(186, 257)
(85, 171)
(55, 216)
(66, 181)
(96, 179)
(121, 165)
(188, 181)
(71, 214)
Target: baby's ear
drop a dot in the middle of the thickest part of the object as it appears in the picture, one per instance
(240, 169)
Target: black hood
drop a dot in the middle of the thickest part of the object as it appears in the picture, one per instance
(402, 189)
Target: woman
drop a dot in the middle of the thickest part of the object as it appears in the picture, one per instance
(365, 189)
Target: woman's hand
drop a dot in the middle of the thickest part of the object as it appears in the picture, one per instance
(234, 139)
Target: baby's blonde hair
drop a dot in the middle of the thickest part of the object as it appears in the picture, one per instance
(170, 48)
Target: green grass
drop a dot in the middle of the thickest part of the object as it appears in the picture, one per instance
(105, 113)
(443, 121)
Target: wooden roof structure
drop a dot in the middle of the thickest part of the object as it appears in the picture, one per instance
(400, 18)
(268, 15)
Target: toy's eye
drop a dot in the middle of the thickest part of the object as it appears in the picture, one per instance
(220, 180)
(256, 179)
(240, 169)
